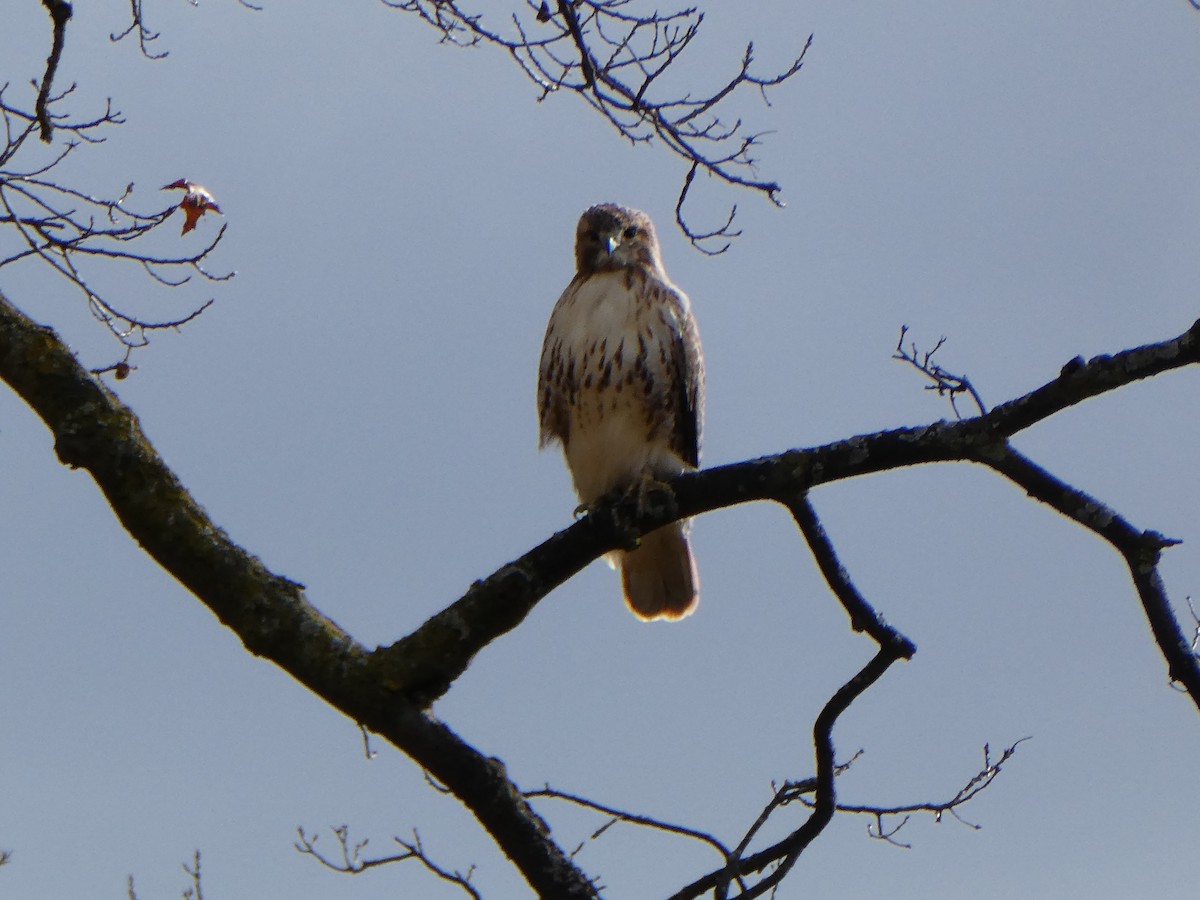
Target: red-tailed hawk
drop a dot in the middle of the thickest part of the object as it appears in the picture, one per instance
(621, 385)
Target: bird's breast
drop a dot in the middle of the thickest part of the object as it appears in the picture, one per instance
(610, 365)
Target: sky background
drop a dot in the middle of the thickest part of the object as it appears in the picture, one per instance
(358, 409)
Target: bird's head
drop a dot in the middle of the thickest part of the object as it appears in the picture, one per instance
(611, 237)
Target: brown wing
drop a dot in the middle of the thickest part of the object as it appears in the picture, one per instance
(554, 383)
(687, 372)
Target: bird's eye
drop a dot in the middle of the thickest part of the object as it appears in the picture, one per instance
(592, 235)
(630, 233)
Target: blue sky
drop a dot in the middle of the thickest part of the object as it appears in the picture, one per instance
(358, 409)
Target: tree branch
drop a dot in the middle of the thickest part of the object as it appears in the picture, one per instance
(70, 231)
(429, 659)
(620, 815)
(614, 60)
(386, 690)
(1140, 550)
(93, 430)
(863, 616)
(353, 862)
(60, 14)
(784, 854)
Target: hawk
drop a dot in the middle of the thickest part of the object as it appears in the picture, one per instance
(621, 386)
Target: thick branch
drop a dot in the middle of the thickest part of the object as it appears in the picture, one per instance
(93, 430)
(429, 659)
(385, 689)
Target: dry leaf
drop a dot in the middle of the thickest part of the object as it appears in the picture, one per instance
(195, 203)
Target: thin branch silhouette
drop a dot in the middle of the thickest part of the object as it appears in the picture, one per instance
(60, 13)
(945, 383)
(388, 689)
(351, 861)
(614, 59)
(72, 232)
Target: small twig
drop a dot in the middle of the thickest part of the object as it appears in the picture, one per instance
(696, 238)
(620, 815)
(366, 739)
(781, 856)
(60, 14)
(60, 226)
(782, 795)
(1195, 626)
(120, 369)
(352, 861)
(976, 784)
(195, 892)
(434, 783)
(945, 383)
(567, 11)
(145, 35)
(615, 60)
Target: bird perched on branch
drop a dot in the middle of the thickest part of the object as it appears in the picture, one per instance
(621, 386)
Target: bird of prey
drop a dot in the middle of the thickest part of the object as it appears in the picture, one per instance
(621, 386)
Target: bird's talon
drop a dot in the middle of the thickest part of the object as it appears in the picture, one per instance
(651, 494)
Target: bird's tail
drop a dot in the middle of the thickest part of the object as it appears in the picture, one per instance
(659, 577)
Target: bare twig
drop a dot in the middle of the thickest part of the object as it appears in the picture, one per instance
(62, 227)
(619, 815)
(137, 25)
(780, 857)
(976, 784)
(350, 859)
(567, 10)
(194, 890)
(700, 239)
(780, 797)
(60, 14)
(366, 739)
(614, 60)
(1195, 626)
(945, 383)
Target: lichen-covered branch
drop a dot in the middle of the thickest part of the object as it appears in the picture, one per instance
(269, 613)
(439, 651)
(387, 690)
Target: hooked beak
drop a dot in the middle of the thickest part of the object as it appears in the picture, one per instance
(611, 243)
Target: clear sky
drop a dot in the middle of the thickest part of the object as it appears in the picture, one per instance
(358, 409)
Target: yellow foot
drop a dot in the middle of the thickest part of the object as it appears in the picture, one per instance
(646, 487)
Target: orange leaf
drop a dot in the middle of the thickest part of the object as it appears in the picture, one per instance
(195, 203)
